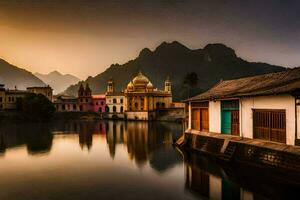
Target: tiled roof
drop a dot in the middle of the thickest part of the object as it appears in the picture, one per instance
(268, 84)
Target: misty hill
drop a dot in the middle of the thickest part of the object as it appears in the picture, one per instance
(59, 82)
(12, 76)
(212, 63)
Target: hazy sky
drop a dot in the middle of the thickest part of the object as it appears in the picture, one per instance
(84, 37)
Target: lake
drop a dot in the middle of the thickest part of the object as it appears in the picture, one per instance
(116, 160)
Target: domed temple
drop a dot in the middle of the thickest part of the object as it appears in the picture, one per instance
(142, 99)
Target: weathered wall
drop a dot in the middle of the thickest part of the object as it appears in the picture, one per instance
(171, 114)
(298, 122)
(214, 116)
(285, 102)
(137, 115)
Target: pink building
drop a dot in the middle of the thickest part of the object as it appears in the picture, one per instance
(99, 103)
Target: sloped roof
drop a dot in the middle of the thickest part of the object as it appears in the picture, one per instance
(267, 84)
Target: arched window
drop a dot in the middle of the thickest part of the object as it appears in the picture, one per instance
(121, 109)
(163, 105)
(114, 100)
(136, 105)
(157, 105)
(106, 109)
(114, 109)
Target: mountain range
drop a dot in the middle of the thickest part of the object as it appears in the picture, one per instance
(212, 63)
(13, 76)
(59, 82)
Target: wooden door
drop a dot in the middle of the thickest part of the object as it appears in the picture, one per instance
(269, 125)
(204, 120)
(196, 119)
(226, 122)
(235, 122)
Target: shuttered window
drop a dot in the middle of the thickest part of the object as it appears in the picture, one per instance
(269, 125)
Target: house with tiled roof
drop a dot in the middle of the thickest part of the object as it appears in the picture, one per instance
(263, 107)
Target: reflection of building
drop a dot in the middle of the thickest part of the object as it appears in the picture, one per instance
(259, 107)
(142, 98)
(114, 102)
(209, 185)
(9, 98)
(144, 141)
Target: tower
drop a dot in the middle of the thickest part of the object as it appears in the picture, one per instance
(110, 86)
(88, 91)
(168, 85)
(80, 90)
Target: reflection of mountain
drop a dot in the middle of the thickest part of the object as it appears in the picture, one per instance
(36, 137)
(145, 142)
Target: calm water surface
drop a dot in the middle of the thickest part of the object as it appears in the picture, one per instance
(113, 160)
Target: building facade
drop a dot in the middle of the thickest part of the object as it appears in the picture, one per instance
(46, 91)
(142, 99)
(263, 107)
(9, 98)
(85, 102)
(99, 103)
(114, 102)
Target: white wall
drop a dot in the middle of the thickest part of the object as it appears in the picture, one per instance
(298, 122)
(285, 102)
(214, 114)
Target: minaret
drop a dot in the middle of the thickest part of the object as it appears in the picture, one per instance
(110, 86)
(168, 85)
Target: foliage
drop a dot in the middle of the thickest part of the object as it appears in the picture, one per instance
(190, 83)
(36, 107)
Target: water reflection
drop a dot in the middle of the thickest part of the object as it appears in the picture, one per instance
(36, 137)
(114, 157)
(211, 180)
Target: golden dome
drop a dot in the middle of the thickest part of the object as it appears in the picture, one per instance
(130, 85)
(149, 85)
(140, 79)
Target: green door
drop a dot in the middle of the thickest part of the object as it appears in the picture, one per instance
(226, 122)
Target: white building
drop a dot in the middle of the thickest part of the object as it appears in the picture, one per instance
(114, 102)
(262, 107)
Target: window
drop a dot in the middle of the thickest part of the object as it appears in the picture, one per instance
(269, 125)
(102, 103)
(114, 109)
(0, 99)
(74, 107)
(63, 107)
(121, 110)
(106, 109)
(96, 103)
(114, 100)
(121, 100)
(86, 100)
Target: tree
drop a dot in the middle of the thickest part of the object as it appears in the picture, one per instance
(36, 107)
(190, 82)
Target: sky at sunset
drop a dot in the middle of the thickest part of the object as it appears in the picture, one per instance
(84, 37)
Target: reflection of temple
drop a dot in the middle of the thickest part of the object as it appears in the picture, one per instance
(144, 141)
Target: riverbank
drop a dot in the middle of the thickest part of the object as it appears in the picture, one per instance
(174, 115)
(276, 157)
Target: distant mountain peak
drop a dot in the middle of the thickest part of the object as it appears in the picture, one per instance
(55, 73)
(145, 52)
(219, 50)
(170, 46)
